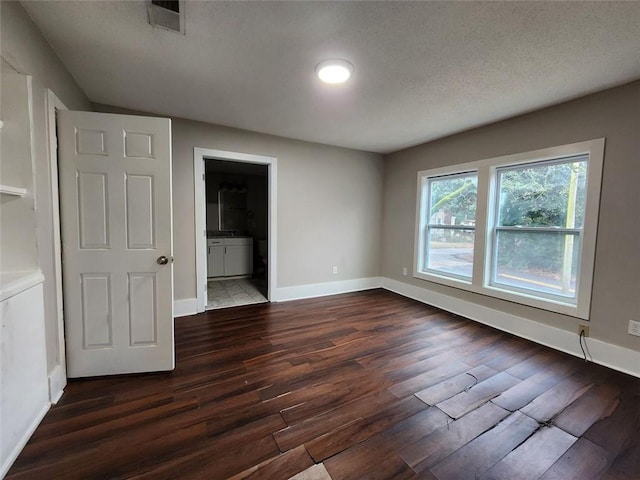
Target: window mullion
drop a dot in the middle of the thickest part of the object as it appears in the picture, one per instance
(480, 244)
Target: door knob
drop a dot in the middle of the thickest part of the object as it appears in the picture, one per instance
(162, 260)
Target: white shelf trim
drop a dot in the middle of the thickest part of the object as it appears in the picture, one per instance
(15, 191)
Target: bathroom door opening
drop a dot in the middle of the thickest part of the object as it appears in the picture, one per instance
(237, 233)
(236, 228)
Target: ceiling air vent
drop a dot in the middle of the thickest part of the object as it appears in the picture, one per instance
(168, 14)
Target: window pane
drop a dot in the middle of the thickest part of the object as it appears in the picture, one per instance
(543, 194)
(453, 200)
(544, 262)
(450, 251)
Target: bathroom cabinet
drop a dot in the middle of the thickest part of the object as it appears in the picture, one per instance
(229, 256)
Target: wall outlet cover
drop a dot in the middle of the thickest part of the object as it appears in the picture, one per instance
(634, 328)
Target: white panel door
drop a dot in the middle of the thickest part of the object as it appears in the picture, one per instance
(115, 208)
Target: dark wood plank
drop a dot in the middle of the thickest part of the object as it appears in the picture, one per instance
(285, 465)
(598, 402)
(223, 455)
(618, 431)
(42, 452)
(482, 453)
(556, 399)
(361, 459)
(350, 434)
(524, 392)
(478, 394)
(261, 391)
(454, 385)
(314, 427)
(546, 360)
(583, 461)
(431, 449)
(534, 457)
(393, 467)
(626, 466)
(426, 379)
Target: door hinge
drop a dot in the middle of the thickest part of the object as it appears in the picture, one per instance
(203, 177)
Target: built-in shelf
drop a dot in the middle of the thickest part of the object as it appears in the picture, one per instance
(15, 191)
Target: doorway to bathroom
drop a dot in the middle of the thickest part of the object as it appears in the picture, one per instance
(232, 251)
(236, 195)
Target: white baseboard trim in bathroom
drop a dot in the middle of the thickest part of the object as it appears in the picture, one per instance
(298, 292)
(603, 353)
(57, 382)
(184, 307)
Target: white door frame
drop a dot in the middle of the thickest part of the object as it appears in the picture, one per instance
(199, 157)
(58, 375)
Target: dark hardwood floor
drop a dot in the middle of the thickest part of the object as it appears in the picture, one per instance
(368, 385)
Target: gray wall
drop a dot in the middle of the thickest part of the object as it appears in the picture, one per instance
(329, 205)
(614, 114)
(27, 51)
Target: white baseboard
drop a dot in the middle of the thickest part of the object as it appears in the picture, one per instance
(6, 465)
(57, 382)
(606, 354)
(298, 292)
(184, 307)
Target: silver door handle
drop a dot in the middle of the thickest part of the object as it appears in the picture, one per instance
(162, 260)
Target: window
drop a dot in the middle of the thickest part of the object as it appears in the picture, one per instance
(450, 225)
(520, 227)
(538, 232)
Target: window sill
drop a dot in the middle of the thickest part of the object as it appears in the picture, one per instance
(552, 305)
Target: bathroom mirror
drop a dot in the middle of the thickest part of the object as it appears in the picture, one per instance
(232, 210)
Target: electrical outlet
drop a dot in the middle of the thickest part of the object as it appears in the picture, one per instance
(335, 270)
(634, 328)
(404, 271)
(583, 328)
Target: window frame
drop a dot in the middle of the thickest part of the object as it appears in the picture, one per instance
(486, 222)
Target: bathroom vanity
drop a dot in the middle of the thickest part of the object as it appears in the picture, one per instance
(229, 256)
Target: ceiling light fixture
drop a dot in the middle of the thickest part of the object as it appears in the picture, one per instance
(334, 70)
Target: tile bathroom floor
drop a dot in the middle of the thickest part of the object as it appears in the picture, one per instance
(232, 293)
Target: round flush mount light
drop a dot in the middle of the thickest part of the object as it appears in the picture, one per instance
(334, 70)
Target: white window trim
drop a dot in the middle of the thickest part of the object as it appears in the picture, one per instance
(485, 213)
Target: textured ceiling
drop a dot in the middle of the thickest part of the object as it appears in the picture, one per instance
(423, 70)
